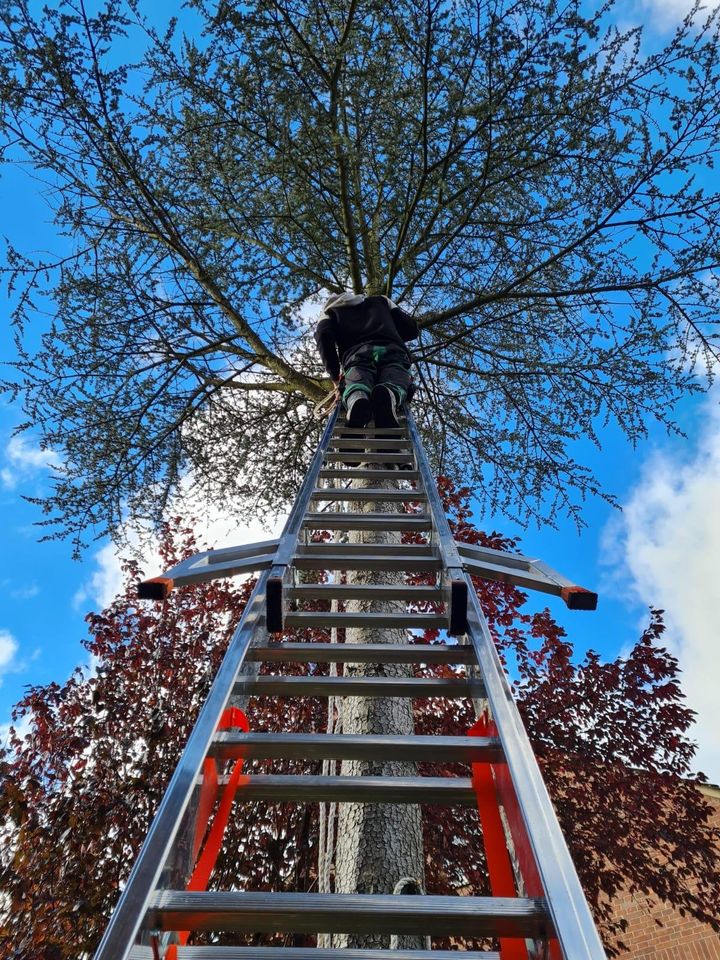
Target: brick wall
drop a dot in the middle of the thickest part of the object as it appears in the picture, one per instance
(679, 938)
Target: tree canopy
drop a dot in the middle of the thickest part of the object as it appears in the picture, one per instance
(80, 788)
(528, 179)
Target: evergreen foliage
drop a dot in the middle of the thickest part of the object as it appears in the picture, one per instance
(533, 182)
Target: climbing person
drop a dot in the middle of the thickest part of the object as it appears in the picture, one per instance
(364, 338)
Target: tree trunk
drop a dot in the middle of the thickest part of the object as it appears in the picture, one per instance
(379, 846)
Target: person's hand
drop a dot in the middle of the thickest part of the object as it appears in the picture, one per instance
(337, 384)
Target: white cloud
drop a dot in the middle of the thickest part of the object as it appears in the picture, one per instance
(25, 593)
(22, 729)
(24, 459)
(667, 14)
(669, 545)
(104, 583)
(8, 651)
(216, 528)
(667, 10)
(311, 308)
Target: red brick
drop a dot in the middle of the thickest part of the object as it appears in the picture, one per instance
(679, 938)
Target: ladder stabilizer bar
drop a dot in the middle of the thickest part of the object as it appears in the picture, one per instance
(210, 565)
(523, 572)
(157, 588)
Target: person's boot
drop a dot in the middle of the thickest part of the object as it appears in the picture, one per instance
(384, 406)
(358, 409)
(385, 414)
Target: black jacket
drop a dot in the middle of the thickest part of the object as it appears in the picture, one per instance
(373, 321)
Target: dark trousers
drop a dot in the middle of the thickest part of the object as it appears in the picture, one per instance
(371, 364)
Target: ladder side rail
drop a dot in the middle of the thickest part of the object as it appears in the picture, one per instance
(573, 923)
(456, 585)
(129, 913)
(289, 538)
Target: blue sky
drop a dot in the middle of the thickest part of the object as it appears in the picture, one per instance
(663, 549)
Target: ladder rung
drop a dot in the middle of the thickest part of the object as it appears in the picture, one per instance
(309, 953)
(229, 745)
(368, 521)
(422, 550)
(414, 687)
(443, 791)
(371, 443)
(368, 561)
(332, 457)
(371, 493)
(363, 653)
(374, 618)
(341, 430)
(354, 473)
(347, 913)
(365, 591)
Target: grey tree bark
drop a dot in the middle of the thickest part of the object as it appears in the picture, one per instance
(378, 847)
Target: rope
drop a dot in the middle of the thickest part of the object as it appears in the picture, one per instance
(325, 407)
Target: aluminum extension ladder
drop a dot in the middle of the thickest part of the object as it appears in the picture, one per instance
(551, 919)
